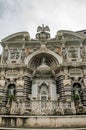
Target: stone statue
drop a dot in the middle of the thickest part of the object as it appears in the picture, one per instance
(77, 94)
(3, 110)
(43, 33)
(11, 90)
(22, 56)
(22, 109)
(43, 28)
(64, 54)
(14, 108)
(5, 56)
(82, 52)
(19, 105)
(73, 108)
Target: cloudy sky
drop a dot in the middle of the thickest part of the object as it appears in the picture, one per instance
(26, 15)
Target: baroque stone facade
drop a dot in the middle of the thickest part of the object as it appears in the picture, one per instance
(43, 76)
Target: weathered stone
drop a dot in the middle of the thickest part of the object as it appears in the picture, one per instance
(42, 76)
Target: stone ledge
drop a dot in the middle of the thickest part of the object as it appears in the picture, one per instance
(75, 121)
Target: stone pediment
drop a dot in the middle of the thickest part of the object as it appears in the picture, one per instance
(17, 37)
(65, 34)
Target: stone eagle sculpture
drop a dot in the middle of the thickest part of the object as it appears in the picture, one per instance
(43, 28)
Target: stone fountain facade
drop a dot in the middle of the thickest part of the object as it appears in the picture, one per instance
(43, 76)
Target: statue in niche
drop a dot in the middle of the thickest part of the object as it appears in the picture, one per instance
(11, 96)
(64, 54)
(5, 56)
(11, 90)
(22, 55)
(82, 52)
(77, 94)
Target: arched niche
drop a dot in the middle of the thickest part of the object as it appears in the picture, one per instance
(36, 61)
(11, 92)
(52, 59)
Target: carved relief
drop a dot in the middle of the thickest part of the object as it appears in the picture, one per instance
(11, 74)
(72, 52)
(66, 82)
(75, 72)
(14, 54)
(2, 83)
(20, 83)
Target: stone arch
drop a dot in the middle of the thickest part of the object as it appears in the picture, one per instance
(51, 57)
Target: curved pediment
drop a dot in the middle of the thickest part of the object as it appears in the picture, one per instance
(65, 34)
(17, 37)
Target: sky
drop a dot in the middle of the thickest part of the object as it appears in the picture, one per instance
(27, 15)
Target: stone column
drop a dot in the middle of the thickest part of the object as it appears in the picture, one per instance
(27, 85)
(67, 85)
(59, 85)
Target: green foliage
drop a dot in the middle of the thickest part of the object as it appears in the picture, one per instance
(76, 97)
(0, 98)
(11, 97)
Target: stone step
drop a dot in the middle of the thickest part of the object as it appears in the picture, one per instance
(3, 128)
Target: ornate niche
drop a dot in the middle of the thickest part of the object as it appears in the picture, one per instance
(43, 94)
(77, 93)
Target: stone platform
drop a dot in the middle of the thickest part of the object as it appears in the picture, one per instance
(72, 121)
